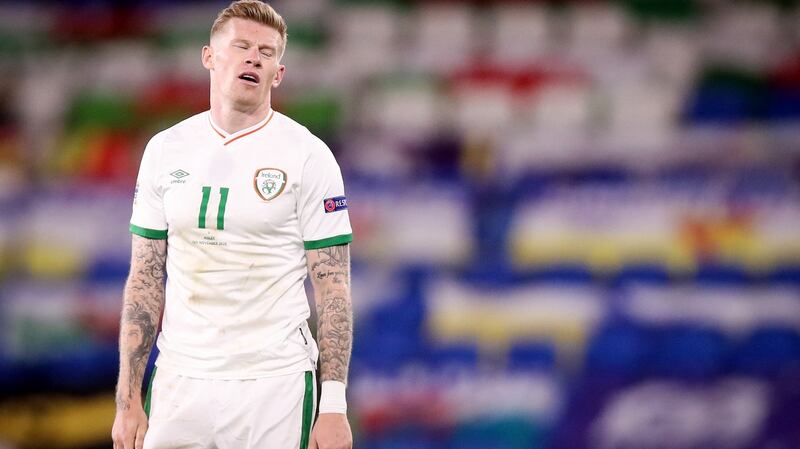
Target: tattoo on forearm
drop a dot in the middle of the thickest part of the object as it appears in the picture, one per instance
(144, 300)
(330, 271)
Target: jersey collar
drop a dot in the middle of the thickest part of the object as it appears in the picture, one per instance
(228, 138)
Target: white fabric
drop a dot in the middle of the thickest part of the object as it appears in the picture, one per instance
(227, 414)
(235, 303)
(333, 398)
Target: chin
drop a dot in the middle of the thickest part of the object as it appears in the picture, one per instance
(246, 101)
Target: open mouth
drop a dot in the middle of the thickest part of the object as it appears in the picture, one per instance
(250, 77)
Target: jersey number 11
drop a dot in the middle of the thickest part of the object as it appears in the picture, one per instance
(223, 199)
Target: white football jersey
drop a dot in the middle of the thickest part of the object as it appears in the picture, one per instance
(238, 212)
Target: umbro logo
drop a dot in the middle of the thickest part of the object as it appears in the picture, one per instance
(178, 174)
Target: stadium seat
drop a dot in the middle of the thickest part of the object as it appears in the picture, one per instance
(641, 273)
(22, 28)
(786, 74)
(415, 277)
(726, 96)
(521, 33)
(481, 110)
(719, 105)
(404, 316)
(672, 56)
(528, 356)
(94, 110)
(742, 34)
(769, 352)
(641, 118)
(402, 439)
(367, 34)
(618, 351)
(385, 354)
(389, 337)
(783, 105)
(785, 274)
(690, 353)
(756, 183)
(454, 357)
(561, 109)
(443, 38)
(13, 377)
(107, 269)
(671, 11)
(403, 106)
(570, 273)
(319, 110)
(718, 274)
(596, 30)
(92, 369)
(505, 432)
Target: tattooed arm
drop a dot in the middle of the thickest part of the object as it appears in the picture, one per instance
(329, 270)
(141, 311)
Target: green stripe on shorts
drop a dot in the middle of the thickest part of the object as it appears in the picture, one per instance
(308, 410)
(149, 395)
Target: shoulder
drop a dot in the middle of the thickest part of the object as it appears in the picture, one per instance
(305, 141)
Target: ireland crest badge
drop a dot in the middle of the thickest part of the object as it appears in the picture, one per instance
(269, 182)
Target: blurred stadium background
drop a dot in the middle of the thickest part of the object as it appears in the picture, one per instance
(577, 223)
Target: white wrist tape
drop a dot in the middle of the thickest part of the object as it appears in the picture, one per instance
(333, 398)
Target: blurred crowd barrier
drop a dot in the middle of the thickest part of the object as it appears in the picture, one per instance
(577, 223)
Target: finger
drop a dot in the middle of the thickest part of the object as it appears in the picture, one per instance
(118, 441)
(128, 439)
(139, 441)
(312, 442)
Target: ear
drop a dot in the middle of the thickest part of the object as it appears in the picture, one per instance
(208, 57)
(279, 76)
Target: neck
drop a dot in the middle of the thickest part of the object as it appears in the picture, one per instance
(232, 117)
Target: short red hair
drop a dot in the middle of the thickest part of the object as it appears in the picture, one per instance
(256, 11)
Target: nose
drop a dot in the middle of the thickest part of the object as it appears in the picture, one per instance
(254, 58)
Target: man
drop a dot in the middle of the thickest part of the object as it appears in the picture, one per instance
(235, 207)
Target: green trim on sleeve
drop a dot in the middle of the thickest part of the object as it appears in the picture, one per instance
(148, 233)
(330, 241)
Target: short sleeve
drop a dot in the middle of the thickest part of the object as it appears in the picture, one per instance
(148, 218)
(324, 218)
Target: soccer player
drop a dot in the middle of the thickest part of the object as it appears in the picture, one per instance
(234, 208)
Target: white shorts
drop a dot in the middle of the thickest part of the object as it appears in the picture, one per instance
(265, 413)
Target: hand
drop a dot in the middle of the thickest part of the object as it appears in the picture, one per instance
(129, 428)
(331, 431)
